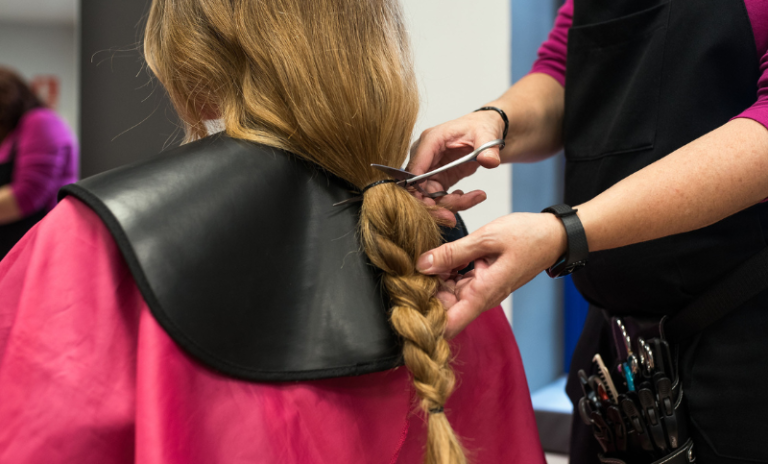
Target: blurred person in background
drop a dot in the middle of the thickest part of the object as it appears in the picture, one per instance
(38, 156)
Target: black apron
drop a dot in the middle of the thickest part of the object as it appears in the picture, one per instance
(12, 233)
(644, 78)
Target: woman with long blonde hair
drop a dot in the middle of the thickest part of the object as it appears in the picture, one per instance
(214, 306)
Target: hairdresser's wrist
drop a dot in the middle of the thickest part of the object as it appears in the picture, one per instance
(521, 116)
(493, 118)
(535, 107)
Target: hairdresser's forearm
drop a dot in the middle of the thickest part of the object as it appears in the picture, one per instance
(534, 106)
(9, 208)
(703, 182)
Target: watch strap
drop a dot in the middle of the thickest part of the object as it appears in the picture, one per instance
(575, 256)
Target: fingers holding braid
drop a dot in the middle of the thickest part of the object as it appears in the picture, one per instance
(395, 230)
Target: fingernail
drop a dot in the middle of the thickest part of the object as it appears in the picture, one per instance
(425, 263)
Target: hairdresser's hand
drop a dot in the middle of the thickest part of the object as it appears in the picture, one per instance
(451, 140)
(508, 253)
(447, 142)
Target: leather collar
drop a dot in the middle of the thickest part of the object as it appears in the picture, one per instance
(245, 263)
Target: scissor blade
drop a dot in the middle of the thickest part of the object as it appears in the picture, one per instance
(398, 174)
(402, 175)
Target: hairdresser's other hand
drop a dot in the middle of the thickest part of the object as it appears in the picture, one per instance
(508, 253)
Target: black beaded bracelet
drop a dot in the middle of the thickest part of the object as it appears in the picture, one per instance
(503, 116)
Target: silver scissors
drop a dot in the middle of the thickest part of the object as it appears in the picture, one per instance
(405, 178)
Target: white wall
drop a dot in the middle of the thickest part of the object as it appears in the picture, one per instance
(463, 60)
(39, 11)
(34, 49)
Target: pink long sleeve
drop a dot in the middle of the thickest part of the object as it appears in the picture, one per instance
(88, 376)
(758, 16)
(46, 159)
(552, 53)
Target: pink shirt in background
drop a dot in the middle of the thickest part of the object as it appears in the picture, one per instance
(46, 159)
(552, 54)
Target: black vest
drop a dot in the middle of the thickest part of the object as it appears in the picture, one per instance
(644, 78)
(245, 263)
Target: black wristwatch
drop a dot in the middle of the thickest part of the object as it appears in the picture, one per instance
(575, 256)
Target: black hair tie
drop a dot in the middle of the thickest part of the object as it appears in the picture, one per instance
(439, 410)
(374, 184)
(359, 196)
(503, 116)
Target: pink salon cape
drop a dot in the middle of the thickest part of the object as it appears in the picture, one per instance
(88, 376)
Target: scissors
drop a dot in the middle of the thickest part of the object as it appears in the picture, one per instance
(406, 179)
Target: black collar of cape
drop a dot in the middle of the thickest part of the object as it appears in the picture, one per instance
(244, 262)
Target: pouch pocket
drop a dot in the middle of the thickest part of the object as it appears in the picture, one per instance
(613, 82)
(727, 375)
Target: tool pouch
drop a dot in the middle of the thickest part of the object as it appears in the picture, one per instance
(645, 420)
(634, 402)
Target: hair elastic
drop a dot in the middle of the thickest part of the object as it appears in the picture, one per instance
(359, 196)
(439, 410)
(374, 184)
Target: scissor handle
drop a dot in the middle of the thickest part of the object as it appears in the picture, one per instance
(470, 157)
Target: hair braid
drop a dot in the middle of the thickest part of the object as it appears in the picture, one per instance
(395, 230)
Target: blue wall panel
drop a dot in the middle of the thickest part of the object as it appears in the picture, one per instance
(575, 314)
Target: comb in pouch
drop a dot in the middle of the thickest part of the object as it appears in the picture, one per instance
(605, 376)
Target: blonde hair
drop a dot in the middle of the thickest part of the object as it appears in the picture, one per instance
(331, 81)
